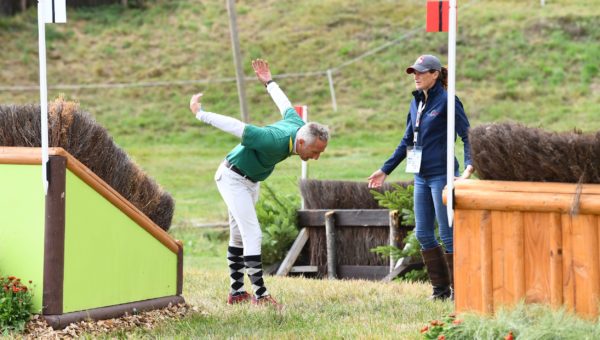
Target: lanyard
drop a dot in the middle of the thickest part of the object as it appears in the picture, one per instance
(418, 122)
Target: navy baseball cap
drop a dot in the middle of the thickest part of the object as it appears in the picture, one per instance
(424, 63)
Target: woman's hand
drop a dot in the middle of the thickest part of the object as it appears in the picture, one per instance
(467, 173)
(376, 179)
(195, 104)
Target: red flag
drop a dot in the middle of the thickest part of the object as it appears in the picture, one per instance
(437, 16)
(301, 110)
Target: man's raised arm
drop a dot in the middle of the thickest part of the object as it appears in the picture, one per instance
(224, 123)
(263, 73)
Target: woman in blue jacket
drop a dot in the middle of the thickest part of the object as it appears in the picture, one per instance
(424, 146)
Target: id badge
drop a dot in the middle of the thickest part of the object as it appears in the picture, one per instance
(413, 159)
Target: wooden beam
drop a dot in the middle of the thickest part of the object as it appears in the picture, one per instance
(362, 272)
(330, 238)
(403, 266)
(345, 217)
(394, 224)
(293, 253)
(304, 269)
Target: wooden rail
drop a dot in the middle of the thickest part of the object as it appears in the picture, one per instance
(332, 219)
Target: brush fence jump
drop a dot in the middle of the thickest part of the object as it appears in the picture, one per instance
(92, 254)
(537, 242)
(339, 242)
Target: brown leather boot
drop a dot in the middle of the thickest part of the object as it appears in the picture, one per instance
(450, 262)
(437, 269)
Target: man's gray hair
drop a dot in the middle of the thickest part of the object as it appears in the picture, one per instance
(309, 131)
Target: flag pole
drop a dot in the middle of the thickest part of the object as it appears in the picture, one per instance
(452, 27)
(43, 93)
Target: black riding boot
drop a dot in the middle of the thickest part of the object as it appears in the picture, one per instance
(437, 269)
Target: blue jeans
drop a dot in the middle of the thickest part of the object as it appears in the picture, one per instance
(428, 204)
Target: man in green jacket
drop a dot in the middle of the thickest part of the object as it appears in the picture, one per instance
(249, 163)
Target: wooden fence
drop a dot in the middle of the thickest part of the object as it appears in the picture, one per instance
(340, 242)
(537, 242)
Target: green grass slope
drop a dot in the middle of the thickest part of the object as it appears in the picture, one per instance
(516, 61)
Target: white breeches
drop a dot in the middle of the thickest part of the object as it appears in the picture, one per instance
(240, 196)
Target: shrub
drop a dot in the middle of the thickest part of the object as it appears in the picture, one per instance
(277, 217)
(15, 304)
(401, 199)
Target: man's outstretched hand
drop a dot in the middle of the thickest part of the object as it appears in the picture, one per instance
(195, 103)
(261, 68)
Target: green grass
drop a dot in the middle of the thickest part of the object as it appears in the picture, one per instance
(313, 308)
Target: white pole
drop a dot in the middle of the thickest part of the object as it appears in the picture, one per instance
(451, 102)
(542, 2)
(43, 92)
(332, 90)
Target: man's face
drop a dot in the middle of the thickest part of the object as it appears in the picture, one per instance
(310, 151)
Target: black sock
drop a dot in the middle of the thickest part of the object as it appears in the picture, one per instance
(235, 260)
(255, 272)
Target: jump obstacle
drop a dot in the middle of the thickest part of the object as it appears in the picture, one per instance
(89, 252)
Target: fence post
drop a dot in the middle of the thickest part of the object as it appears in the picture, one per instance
(330, 240)
(332, 90)
(394, 236)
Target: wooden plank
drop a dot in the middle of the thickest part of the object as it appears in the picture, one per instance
(568, 272)
(525, 201)
(537, 257)
(395, 241)
(516, 256)
(498, 252)
(556, 266)
(537, 187)
(345, 217)
(293, 253)
(330, 240)
(362, 272)
(403, 266)
(304, 269)
(485, 227)
(467, 264)
(585, 263)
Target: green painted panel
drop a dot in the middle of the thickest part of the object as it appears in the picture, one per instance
(22, 228)
(109, 259)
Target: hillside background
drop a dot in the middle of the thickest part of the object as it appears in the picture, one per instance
(517, 61)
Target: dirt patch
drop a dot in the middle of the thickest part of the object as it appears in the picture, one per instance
(37, 328)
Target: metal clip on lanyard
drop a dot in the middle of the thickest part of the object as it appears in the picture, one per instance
(418, 122)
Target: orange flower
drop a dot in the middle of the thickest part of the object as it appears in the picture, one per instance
(435, 323)
(10, 278)
(509, 336)
(441, 337)
(30, 282)
(424, 329)
(457, 322)
(15, 289)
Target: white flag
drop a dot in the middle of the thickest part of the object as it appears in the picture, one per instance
(54, 11)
